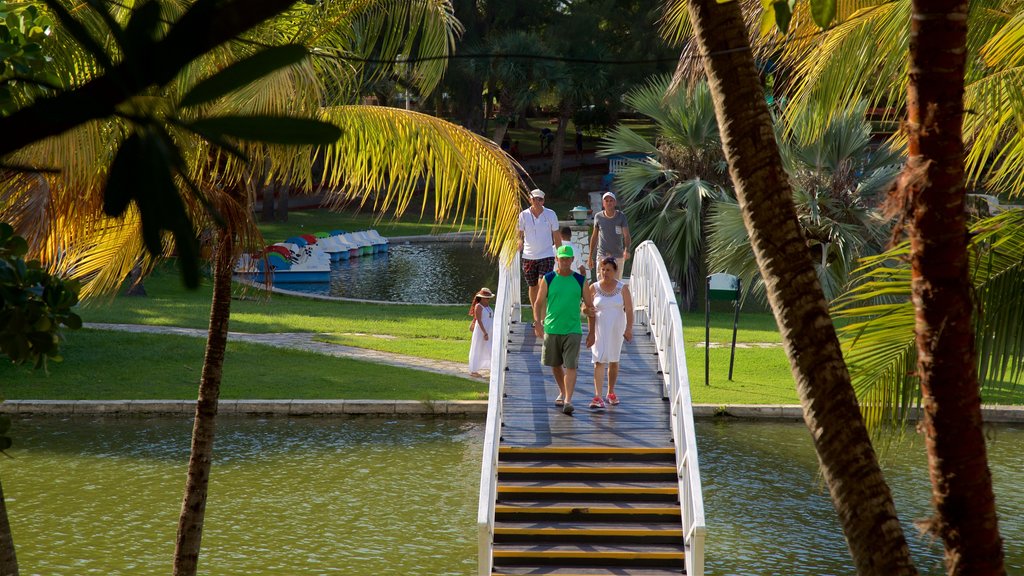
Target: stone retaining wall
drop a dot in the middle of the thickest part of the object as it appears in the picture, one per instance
(475, 409)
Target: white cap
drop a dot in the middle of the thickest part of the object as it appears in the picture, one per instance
(608, 195)
(536, 193)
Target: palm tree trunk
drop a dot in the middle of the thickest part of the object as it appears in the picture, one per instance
(268, 202)
(931, 198)
(558, 153)
(193, 506)
(8, 559)
(847, 460)
(283, 192)
(500, 129)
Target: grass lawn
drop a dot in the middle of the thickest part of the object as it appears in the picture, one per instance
(110, 369)
(256, 311)
(101, 365)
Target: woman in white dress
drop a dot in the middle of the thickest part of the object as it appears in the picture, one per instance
(613, 323)
(480, 345)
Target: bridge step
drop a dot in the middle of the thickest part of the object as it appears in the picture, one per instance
(600, 453)
(577, 469)
(590, 532)
(667, 491)
(591, 511)
(584, 571)
(663, 555)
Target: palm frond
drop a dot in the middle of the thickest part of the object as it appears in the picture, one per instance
(878, 318)
(623, 140)
(385, 156)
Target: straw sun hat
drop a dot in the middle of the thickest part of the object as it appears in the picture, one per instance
(485, 293)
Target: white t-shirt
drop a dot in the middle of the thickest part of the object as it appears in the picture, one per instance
(537, 233)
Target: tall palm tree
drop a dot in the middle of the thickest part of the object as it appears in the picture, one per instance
(381, 158)
(848, 462)
(667, 195)
(938, 54)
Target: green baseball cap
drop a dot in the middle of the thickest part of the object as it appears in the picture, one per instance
(565, 252)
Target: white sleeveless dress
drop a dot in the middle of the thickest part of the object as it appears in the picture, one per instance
(609, 325)
(480, 349)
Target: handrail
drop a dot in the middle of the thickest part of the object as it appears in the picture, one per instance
(508, 309)
(654, 302)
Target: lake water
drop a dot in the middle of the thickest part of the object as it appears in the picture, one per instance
(374, 496)
(429, 273)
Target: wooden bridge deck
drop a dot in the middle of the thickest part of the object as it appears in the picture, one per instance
(532, 419)
(592, 493)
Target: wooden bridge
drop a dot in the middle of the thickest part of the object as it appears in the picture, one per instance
(612, 492)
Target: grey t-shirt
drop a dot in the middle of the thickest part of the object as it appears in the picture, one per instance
(609, 234)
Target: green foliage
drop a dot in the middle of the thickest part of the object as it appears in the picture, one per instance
(594, 119)
(148, 166)
(33, 304)
(837, 175)
(23, 28)
(879, 319)
(243, 72)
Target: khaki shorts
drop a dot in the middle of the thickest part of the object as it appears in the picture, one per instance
(561, 350)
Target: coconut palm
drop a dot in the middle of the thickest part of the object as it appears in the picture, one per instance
(847, 460)
(381, 158)
(929, 198)
(668, 193)
(838, 176)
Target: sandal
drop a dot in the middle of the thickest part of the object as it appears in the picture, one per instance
(559, 401)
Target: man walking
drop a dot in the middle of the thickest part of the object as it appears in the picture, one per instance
(556, 319)
(538, 234)
(611, 235)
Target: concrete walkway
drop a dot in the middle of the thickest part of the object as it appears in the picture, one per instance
(305, 341)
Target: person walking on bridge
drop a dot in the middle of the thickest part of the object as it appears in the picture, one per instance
(611, 235)
(538, 233)
(556, 319)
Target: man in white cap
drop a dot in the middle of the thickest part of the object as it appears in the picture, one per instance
(538, 234)
(556, 319)
(611, 234)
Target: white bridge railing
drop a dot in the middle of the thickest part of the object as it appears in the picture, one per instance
(655, 306)
(507, 307)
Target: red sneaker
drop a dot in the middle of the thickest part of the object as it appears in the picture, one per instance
(597, 404)
(613, 399)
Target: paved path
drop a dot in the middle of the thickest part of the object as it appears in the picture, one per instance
(304, 341)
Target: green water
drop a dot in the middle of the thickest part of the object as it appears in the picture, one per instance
(345, 496)
(372, 497)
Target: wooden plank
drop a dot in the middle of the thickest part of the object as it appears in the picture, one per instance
(582, 450)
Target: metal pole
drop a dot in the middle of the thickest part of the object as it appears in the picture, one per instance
(707, 327)
(735, 324)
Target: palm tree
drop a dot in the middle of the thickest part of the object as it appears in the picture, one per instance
(960, 476)
(382, 157)
(668, 194)
(519, 82)
(838, 177)
(848, 463)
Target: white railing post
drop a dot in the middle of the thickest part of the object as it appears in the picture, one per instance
(652, 291)
(507, 305)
